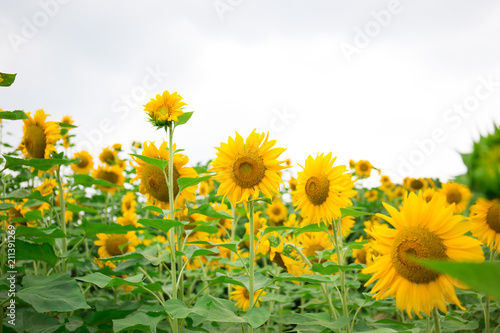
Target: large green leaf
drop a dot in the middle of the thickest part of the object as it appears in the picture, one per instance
(306, 278)
(29, 321)
(329, 268)
(232, 246)
(161, 224)
(162, 164)
(6, 206)
(7, 79)
(185, 182)
(104, 281)
(208, 210)
(43, 164)
(315, 319)
(33, 233)
(92, 228)
(183, 118)
(257, 316)
(77, 209)
(53, 293)
(41, 252)
(137, 321)
(352, 212)
(13, 115)
(88, 181)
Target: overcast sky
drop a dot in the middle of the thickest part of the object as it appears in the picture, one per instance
(404, 84)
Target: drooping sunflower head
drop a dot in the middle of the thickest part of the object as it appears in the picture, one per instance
(109, 156)
(111, 245)
(276, 212)
(323, 189)
(86, 163)
(456, 194)
(485, 218)
(426, 230)
(363, 169)
(246, 168)
(17, 211)
(164, 108)
(39, 136)
(153, 182)
(112, 174)
(242, 297)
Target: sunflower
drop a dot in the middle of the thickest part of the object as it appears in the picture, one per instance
(117, 146)
(111, 245)
(109, 156)
(293, 184)
(323, 189)
(314, 242)
(346, 225)
(128, 218)
(245, 168)
(18, 211)
(398, 193)
(271, 243)
(153, 183)
(427, 230)
(276, 212)
(485, 218)
(128, 203)
(242, 297)
(415, 184)
(39, 136)
(371, 195)
(85, 165)
(296, 266)
(66, 120)
(429, 193)
(456, 194)
(386, 183)
(363, 169)
(47, 186)
(363, 255)
(112, 174)
(165, 108)
(206, 187)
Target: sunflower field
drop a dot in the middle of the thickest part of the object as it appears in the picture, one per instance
(141, 239)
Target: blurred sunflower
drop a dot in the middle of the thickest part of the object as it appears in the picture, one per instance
(323, 189)
(47, 186)
(314, 242)
(245, 168)
(271, 243)
(128, 203)
(242, 297)
(85, 165)
(363, 255)
(165, 108)
(128, 218)
(429, 193)
(293, 184)
(485, 218)
(363, 169)
(111, 245)
(415, 184)
(66, 120)
(456, 194)
(112, 174)
(371, 195)
(276, 212)
(386, 182)
(17, 211)
(153, 183)
(109, 156)
(427, 230)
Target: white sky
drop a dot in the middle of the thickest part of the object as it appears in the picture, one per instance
(270, 65)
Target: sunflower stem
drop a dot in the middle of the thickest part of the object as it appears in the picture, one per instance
(340, 259)
(487, 308)
(437, 325)
(231, 255)
(428, 320)
(62, 219)
(251, 258)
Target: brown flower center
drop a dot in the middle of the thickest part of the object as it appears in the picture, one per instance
(84, 162)
(109, 176)
(276, 211)
(453, 196)
(317, 189)
(107, 157)
(248, 171)
(34, 141)
(113, 244)
(363, 167)
(416, 184)
(361, 255)
(155, 183)
(493, 217)
(420, 243)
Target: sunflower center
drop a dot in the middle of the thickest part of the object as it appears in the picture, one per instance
(363, 167)
(314, 249)
(154, 181)
(361, 256)
(420, 243)
(109, 176)
(317, 189)
(84, 162)
(34, 141)
(113, 244)
(453, 196)
(416, 184)
(246, 294)
(493, 217)
(276, 211)
(248, 171)
(14, 213)
(107, 157)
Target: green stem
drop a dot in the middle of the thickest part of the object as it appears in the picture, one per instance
(251, 258)
(428, 320)
(487, 309)
(62, 206)
(340, 259)
(231, 255)
(437, 325)
(106, 204)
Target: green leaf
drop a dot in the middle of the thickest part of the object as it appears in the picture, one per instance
(18, 194)
(315, 319)
(149, 253)
(183, 118)
(271, 229)
(104, 281)
(88, 181)
(208, 210)
(33, 233)
(154, 209)
(176, 308)
(92, 228)
(482, 277)
(257, 316)
(352, 212)
(13, 115)
(264, 199)
(217, 309)
(233, 246)
(185, 182)
(161, 224)
(53, 293)
(200, 169)
(43, 164)
(209, 229)
(65, 125)
(76, 208)
(162, 164)
(193, 251)
(315, 227)
(7, 79)
(306, 278)
(29, 251)
(329, 268)
(138, 321)
(6, 206)
(29, 321)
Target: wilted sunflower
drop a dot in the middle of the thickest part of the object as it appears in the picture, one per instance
(165, 108)
(39, 136)
(485, 218)
(242, 297)
(109, 156)
(85, 165)
(245, 168)
(112, 174)
(276, 212)
(456, 194)
(426, 230)
(110, 244)
(153, 183)
(128, 203)
(363, 169)
(323, 189)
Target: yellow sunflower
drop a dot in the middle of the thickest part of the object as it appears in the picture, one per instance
(245, 168)
(85, 165)
(363, 255)
(111, 245)
(66, 120)
(242, 297)
(293, 184)
(165, 108)
(371, 195)
(109, 156)
(429, 193)
(128, 218)
(456, 194)
(271, 243)
(363, 169)
(427, 230)
(276, 212)
(415, 184)
(323, 189)
(128, 203)
(386, 183)
(206, 187)
(112, 174)
(485, 218)
(39, 136)
(314, 242)
(17, 211)
(153, 183)
(47, 186)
